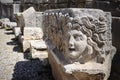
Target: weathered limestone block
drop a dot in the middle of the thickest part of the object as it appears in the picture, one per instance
(10, 25)
(28, 18)
(33, 39)
(30, 23)
(32, 36)
(38, 49)
(2, 21)
(32, 33)
(79, 43)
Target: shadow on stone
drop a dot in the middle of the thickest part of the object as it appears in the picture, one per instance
(32, 70)
(115, 69)
(27, 55)
(17, 48)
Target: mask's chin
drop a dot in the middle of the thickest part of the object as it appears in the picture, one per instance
(73, 54)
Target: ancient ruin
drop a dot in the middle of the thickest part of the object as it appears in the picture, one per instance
(61, 39)
(29, 33)
(79, 43)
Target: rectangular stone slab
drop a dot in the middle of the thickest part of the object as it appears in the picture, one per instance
(29, 17)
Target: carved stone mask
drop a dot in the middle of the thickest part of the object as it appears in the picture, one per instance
(77, 43)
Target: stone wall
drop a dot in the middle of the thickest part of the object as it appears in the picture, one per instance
(42, 5)
(39, 5)
(6, 11)
(6, 1)
(112, 6)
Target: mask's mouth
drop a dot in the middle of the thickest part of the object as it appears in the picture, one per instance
(71, 49)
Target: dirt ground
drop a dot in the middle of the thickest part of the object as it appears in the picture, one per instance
(14, 66)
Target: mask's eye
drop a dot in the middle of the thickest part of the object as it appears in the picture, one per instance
(78, 37)
(76, 26)
(101, 19)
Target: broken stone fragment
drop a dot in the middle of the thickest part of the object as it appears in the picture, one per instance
(33, 36)
(30, 26)
(28, 18)
(32, 33)
(39, 44)
(10, 25)
(38, 49)
(82, 43)
(2, 21)
(33, 41)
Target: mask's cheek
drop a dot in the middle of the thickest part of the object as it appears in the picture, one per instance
(80, 46)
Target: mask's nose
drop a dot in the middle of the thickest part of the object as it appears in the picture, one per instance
(71, 43)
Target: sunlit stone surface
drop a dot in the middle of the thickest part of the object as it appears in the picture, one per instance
(79, 43)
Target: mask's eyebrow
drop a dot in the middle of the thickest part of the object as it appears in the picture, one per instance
(77, 32)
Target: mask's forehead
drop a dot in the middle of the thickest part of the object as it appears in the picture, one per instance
(75, 32)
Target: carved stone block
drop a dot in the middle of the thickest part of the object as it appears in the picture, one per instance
(28, 18)
(10, 25)
(30, 23)
(2, 21)
(33, 39)
(38, 49)
(32, 33)
(79, 43)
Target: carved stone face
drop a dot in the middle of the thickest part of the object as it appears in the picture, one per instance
(77, 44)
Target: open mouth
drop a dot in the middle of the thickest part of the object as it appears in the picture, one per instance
(71, 49)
